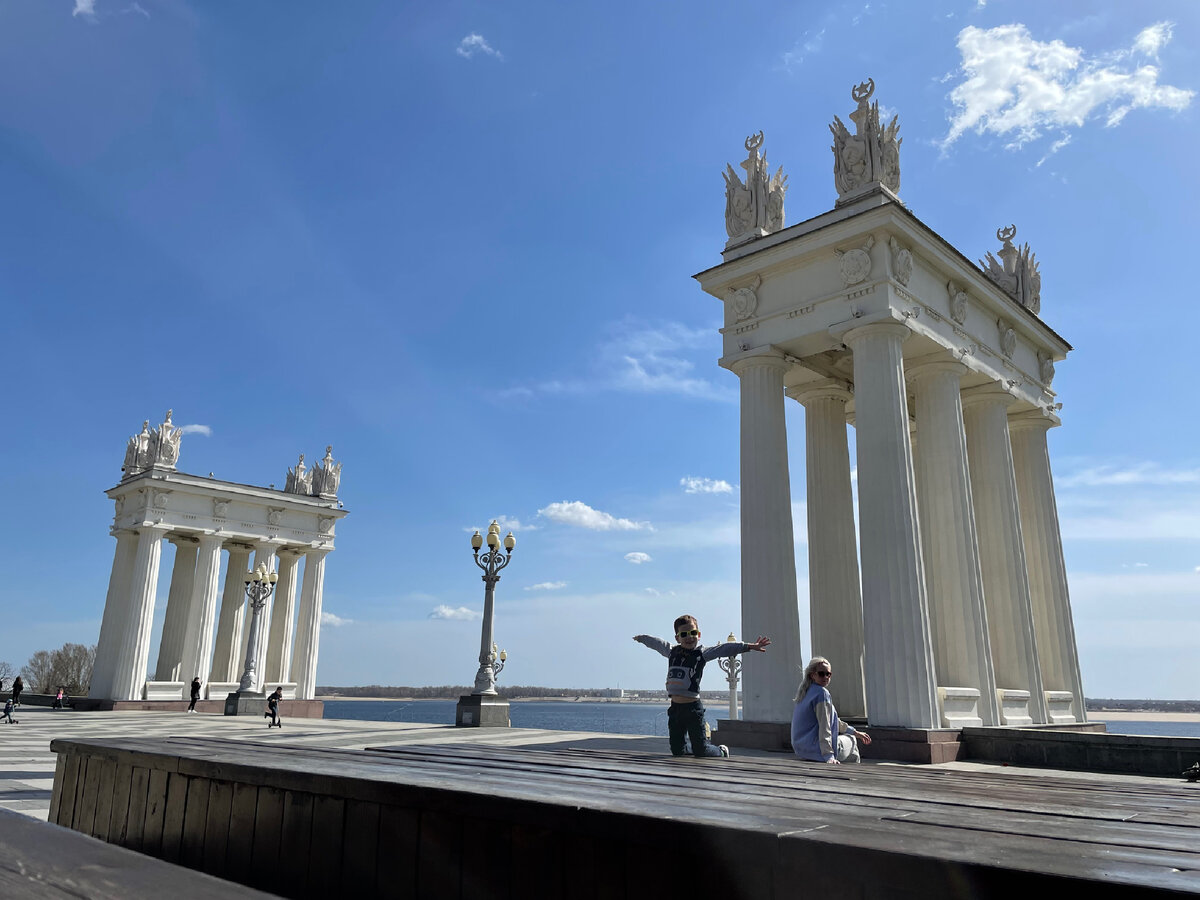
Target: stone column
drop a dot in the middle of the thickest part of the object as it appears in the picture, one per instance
(116, 614)
(1053, 625)
(834, 599)
(129, 677)
(264, 554)
(279, 648)
(179, 598)
(1001, 546)
(198, 639)
(308, 628)
(769, 602)
(226, 664)
(898, 664)
(957, 615)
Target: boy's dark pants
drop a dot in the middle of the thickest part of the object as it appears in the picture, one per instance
(688, 718)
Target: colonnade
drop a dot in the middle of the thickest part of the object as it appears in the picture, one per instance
(286, 652)
(961, 614)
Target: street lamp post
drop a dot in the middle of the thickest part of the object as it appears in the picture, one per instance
(483, 705)
(732, 666)
(260, 584)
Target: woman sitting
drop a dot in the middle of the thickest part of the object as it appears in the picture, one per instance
(817, 732)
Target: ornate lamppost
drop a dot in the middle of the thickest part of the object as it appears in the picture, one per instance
(260, 584)
(483, 706)
(732, 666)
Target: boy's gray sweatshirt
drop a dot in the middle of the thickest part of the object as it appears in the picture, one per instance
(686, 667)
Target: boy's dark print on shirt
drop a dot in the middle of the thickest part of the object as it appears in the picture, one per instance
(684, 670)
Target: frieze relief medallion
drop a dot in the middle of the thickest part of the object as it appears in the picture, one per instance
(1045, 367)
(1008, 337)
(220, 508)
(161, 499)
(902, 262)
(744, 300)
(958, 302)
(275, 517)
(856, 263)
(325, 524)
(119, 503)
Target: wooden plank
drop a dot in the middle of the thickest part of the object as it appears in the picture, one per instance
(118, 821)
(439, 856)
(538, 865)
(104, 799)
(85, 804)
(295, 843)
(139, 789)
(324, 866)
(239, 850)
(60, 767)
(396, 868)
(216, 828)
(70, 782)
(488, 871)
(173, 815)
(195, 822)
(360, 847)
(265, 861)
(156, 809)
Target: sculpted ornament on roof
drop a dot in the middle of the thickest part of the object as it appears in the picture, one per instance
(1016, 273)
(327, 476)
(298, 481)
(148, 449)
(872, 153)
(754, 207)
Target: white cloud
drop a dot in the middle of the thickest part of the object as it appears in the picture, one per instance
(476, 43)
(1153, 38)
(693, 485)
(1018, 87)
(506, 524)
(637, 557)
(547, 586)
(581, 515)
(652, 592)
(136, 8)
(196, 429)
(441, 611)
(85, 8)
(1147, 473)
(328, 618)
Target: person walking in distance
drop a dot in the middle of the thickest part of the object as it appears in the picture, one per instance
(195, 694)
(273, 708)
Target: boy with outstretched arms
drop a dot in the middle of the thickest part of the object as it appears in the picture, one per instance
(685, 667)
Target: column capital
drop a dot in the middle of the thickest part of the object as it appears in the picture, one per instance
(1034, 418)
(934, 367)
(178, 538)
(825, 389)
(316, 552)
(889, 327)
(207, 539)
(982, 394)
(769, 356)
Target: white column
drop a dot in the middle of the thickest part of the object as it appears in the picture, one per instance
(116, 613)
(898, 664)
(308, 628)
(129, 677)
(769, 602)
(202, 612)
(279, 648)
(226, 664)
(264, 554)
(1001, 547)
(1051, 601)
(179, 598)
(834, 598)
(957, 615)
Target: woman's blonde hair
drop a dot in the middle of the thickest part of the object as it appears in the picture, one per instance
(808, 675)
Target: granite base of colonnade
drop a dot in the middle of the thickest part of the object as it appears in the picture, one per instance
(922, 745)
(288, 709)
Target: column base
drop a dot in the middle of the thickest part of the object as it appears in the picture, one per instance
(960, 707)
(246, 703)
(481, 710)
(1014, 707)
(1058, 707)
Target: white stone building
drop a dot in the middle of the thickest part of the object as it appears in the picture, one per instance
(290, 531)
(866, 316)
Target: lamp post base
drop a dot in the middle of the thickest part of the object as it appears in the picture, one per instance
(486, 710)
(245, 703)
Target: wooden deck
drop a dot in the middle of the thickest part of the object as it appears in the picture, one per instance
(478, 821)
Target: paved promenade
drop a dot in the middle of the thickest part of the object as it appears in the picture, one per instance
(27, 765)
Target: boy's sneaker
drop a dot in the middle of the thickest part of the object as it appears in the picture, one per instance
(724, 751)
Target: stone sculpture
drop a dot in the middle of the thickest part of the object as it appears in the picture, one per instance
(755, 207)
(147, 449)
(872, 153)
(326, 476)
(298, 481)
(1016, 273)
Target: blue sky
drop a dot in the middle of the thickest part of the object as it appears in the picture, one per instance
(455, 240)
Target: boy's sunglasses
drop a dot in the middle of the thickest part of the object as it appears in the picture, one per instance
(693, 633)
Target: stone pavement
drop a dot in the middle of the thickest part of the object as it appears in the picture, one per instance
(27, 765)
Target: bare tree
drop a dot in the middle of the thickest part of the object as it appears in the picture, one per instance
(7, 672)
(38, 672)
(69, 667)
